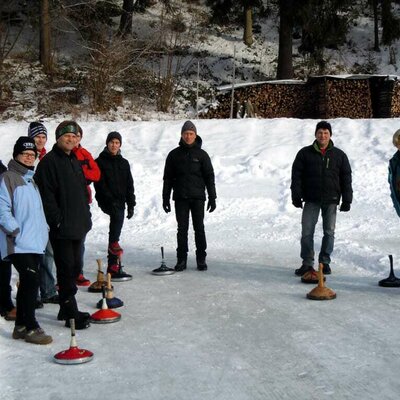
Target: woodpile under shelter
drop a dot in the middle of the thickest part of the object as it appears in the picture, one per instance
(320, 97)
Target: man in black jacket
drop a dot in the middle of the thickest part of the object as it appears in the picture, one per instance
(321, 177)
(188, 172)
(63, 190)
(115, 189)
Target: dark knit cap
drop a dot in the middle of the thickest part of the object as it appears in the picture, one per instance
(189, 126)
(324, 125)
(80, 130)
(22, 144)
(66, 127)
(114, 135)
(36, 128)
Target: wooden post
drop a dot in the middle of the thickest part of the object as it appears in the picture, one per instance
(233, 79)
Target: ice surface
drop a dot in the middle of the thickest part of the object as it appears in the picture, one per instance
(244, 329)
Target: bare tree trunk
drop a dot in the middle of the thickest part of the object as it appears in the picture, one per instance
(376, 26)
(125, 25)
(248, 26)
(285, 55)
(45, 35)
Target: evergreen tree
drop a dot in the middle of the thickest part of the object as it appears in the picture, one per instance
(390, 24)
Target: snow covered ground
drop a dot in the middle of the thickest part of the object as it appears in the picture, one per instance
(244, 329)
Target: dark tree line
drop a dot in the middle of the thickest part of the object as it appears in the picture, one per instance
(318, 24)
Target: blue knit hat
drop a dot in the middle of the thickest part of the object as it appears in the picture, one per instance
(36, 128)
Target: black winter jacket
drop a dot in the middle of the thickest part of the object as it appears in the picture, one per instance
(321, 178)
(188, 171)
(62, 187)
(115, 187)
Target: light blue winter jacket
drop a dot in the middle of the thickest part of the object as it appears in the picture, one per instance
(23, 226)
(394, 181)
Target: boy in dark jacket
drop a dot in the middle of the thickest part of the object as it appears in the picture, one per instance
(115, 189)
(188, 172)
(321, 177)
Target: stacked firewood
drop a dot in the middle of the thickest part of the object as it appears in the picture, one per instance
(267, 100)
(321, 97)
(341, 98)
(395, 100)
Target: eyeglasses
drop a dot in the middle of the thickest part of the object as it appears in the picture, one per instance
(28, 155)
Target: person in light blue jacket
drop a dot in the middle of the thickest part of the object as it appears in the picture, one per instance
(23, 235)
(394, 173)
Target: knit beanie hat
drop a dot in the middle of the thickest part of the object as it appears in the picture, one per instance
(66, 127)
(324, 125)
(36, 128)
(189, 126)
(114, 135)
(22, 144)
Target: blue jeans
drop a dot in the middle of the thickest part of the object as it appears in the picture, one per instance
(46, 278)
(308, 221)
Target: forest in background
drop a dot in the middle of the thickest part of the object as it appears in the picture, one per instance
(88, 56)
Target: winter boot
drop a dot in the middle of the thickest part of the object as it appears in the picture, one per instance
(115, 249)
(201, 264)
(38, 336)
(51, 300)
(82, 321)
(62, 317)
(181, 264)
(117, 273)
(38, 304)
(302, 270)
(82, 281)
(69, 309)
(19, 332)
(327, 269)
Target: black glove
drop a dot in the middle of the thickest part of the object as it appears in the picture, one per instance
(130, 213)
(345, 207)
(166, 205)
(84, 162)
(211, 206)
(297, 203)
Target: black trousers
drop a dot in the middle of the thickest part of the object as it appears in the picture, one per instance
(6, 303)
(27, 266)
(67, 257)
(116, 223)
(182, 210)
